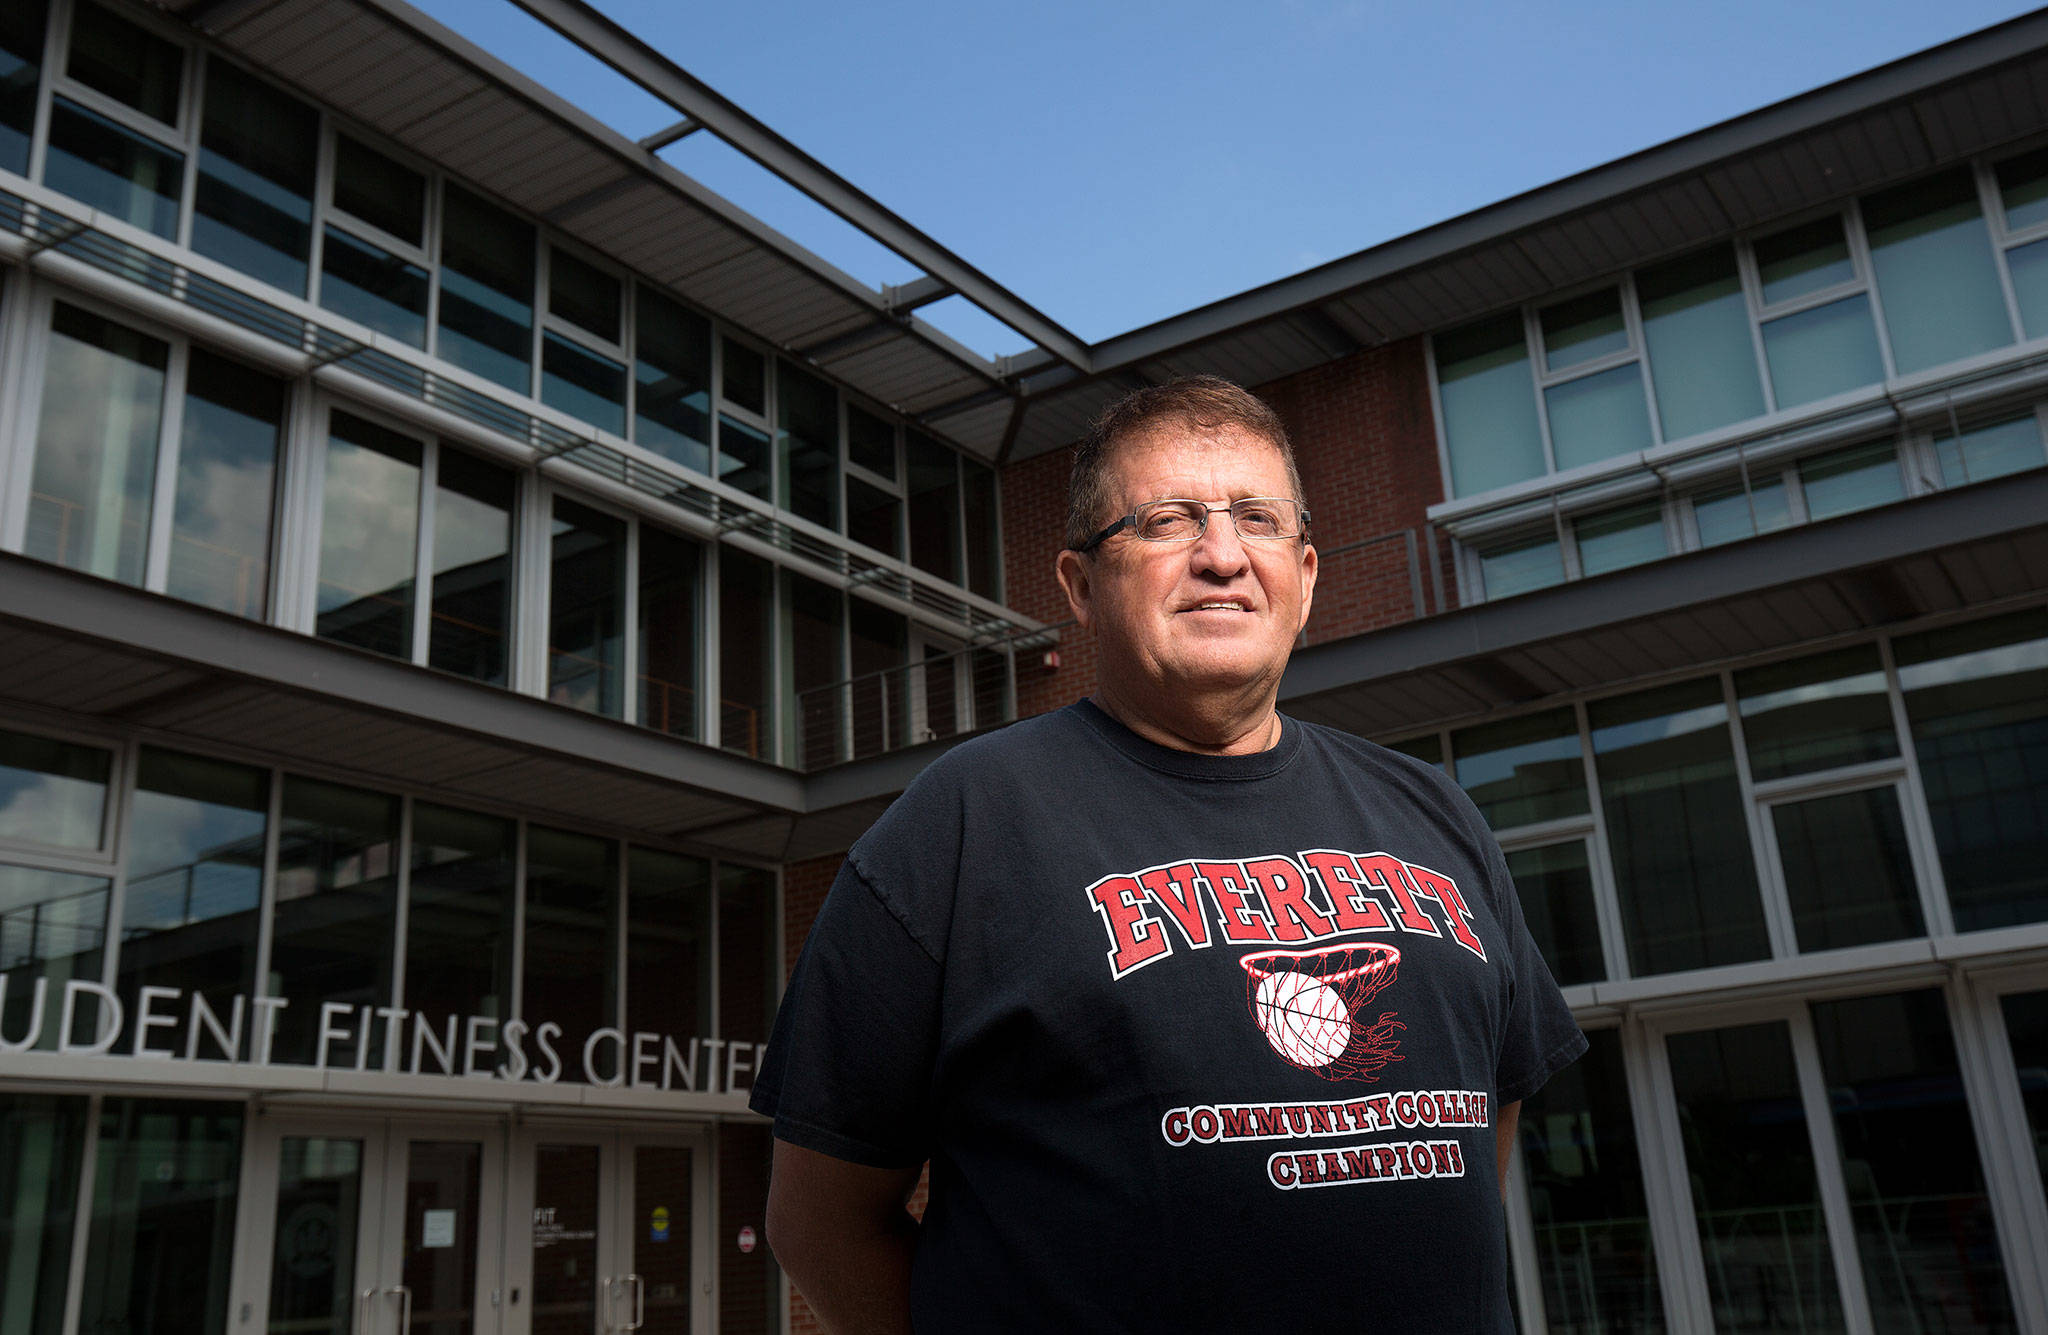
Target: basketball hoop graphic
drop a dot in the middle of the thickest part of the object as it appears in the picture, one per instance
(1307, 1003)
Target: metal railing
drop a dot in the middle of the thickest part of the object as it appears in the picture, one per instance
(943, 695)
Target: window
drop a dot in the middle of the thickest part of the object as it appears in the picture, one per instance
(1489, 411)
(746, 622)
(571, 966)
(587, 609)
(1730, 513)
(1696, 332)
(1518, 567)
(374, 270)
(669, 947)
(743, 458)
(743, 382)
(487, 262)
(21, 60)
(814, 627)
(870, 442)
(807, 446)
(53, 928)
(582, 367)
(52, 793)
(1847, 868)
(1816, 713)
(42, 1141)
(2011, 446)
(1601, 413)
(227, 478)
(984, 530)
(471, 610)
(369, 537)
(253, 208)
(878, 699)
(934, 489)
(460, 914)
(670, 630)
(672, 375)
(1931, 253)
(1620, 538)
(1524, 771)
(126, 61)
(121, 172)
(2026, 1027)
(336, 903)
(1843, 481)
(1555, 885)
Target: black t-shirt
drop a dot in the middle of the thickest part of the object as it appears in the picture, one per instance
(1192, 1043)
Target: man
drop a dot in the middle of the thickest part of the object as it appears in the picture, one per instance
(1205, 1019)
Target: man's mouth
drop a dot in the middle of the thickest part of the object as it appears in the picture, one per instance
(1219, 605)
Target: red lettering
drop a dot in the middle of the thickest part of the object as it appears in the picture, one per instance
(1358, 1163)
(1401, 1152)
(1391, 875)
(1361, 1115)
(1341, 886)
(1174, 890)
(1241, 921)
(1421, 1164)
(1445, 1153)
(1236, 1122)
(1175, 1127)
(1319, 1122)
(1281, 1169)
(1457, 1158)
(1205, 1124)
(1297, 1119)
(1444, 891)
(1286, 889)
(1135, 938)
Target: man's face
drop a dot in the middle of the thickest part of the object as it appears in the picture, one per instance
(1219, 614)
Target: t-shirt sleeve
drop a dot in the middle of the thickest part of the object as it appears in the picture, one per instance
(1539, 1038)
(848, 1071)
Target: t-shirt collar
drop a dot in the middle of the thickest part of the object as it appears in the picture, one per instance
(1193, 764)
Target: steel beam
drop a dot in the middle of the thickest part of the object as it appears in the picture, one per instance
(682, 129)
(651, 70)
(909, 296)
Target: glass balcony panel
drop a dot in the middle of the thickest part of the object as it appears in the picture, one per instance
(1489, 405)
(1822, 351)
(1598, 416)
(584, 295)
(1621, 538)
(672, 381)
(1844, 481)
(111, 168)
(1522, 770)
(879, 697)
(671, 631)
(807, 446)
(258, 150)
(337, 900)
(1816, 713)
(486, 320)
(384, 193)
(227, 484)
(1990, 451)
(96, 446)
(1731, 513)
(471, 612)
(21, 62)
(1804, 259)
(160, 1247)
(582, 383)
(871, 441)
(52, 792)
(126, 61)
(586, 609)
(374, 287)
(1520, 567)
(1583, 328)
(1931, 253)
(1555, 886)
(1696, 334)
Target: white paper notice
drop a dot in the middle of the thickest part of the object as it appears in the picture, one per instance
(437, 1228)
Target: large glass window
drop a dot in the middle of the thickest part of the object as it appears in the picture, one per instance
(1931, 253)
(52, 792)
(1676, 830)
(1990, 451)
(1848, 869)
(1815, 713)
(934, 477)
(253, 208)
(487, 275)
(96, 446)
(570, 975)
(879, 695)
(460, 914)
(41, 1143)
(743, 379)
(374, 286)
(1696, 331)
(587, 609)
(746, 622)
(384, 193)
(1585, 1183)
(672, 375)
(1822, 350)
(1802, 260)
(1977, 696)
(871, 442)
(130, 63)
(743, 460)
(1555, 885)
(2026, 1029)
(668, 945)
(336, 893)
(749, 969)
(670, 625)
(1489, 405)
(582, 383)
(1597, 416)
(1735, 511)
(195, 879)
(984, 529)
(1520, 566)
(1843, 481)
(874, 517)
(472, 595)
(161, 1243)
(1617, 539)
(1909, 1159)
(814, 620)
(53, 928)
(120, 172)
(21, 61)
(1524, 770)
(1755, 1190)
(227, 479)
(807, 446)
(369, 536)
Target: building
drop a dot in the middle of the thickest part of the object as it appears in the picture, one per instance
(462, 585)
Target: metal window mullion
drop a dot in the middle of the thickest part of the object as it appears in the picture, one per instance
(1827, 1165)
(1523, 1263)
(121, 791)
(295, 539)
(1606, 890)
(1632, 320)
(516, 1003)
(423, 550)
(1998, 1110)
(1532, 348)
(56, 31)
(1992, 204)
(401, 916)
(81, 1224)
(1753, 299)
(1934, 905)
(1763, 851)
(1674, 1217)
(164, 486)
(29, 308)
(629, 630)
(194, 113)
(622, 898)
(710, 718)
(1859, 250)
(266, 910)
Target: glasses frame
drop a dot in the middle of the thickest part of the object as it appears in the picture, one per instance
(1130, 521)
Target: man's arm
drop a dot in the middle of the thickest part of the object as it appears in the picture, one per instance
(842, 1233)
(1506, 1117)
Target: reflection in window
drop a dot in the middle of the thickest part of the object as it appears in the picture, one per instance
(96, 445)
(53, 928)
(1843, 481)
(472, 593)
(1428, 748)
(253, 208)
(1803, 259)
(1583, 329)
(874, 518)
(1815, 713)
(383, 193)
(487, 259)
(1585, 1185)
(1519, 567)
(584, 295)
(1555, 885)
(195, 875)
(106, 165)
(374, 287)
(126, 61)
(984, 530)
(879, 699)
(1755, 1193)
(1523, 770)
(1489, 405)
(52, 792)
(1821, 351)
(1909, 1159)
(587, 609)
(42, 1139)
(934, 485)
(743, 381)
(459, 919)
(672, 381)
(1848, 869)
(1621, 538)
(584, 384)
(21, 59)
(871, 441)
(1696, 332)
(1676, 829)
(161, 1243)
(749, 1283)
(2026, 1027)
(743, 458)
(1598, 416)
(670, 631)
(2028, 265)
(1734, 512)
(1977, 696)
(571, 965)
(813, 624)
(227, 477)
(746, 607)
(1990, 451)
(807, 446)
(1931, 254)
(369, 537)
(337, 878)
(668, 947)
(318, 1178)
(748, 970)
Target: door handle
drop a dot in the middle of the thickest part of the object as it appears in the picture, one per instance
(604, 1303)
(639, 1303)
(404, 1296)
(363, 1319)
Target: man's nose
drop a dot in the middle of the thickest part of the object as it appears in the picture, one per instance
(1219, 550)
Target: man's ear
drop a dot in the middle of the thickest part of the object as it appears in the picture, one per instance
(1309, 562)
(1073, 572)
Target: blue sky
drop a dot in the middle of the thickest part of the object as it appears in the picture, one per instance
(1115, 164)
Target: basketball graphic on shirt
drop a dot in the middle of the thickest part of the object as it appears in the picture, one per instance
(1308, 1002)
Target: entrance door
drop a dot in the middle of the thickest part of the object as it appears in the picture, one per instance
(369, 1227)
(618, 1234)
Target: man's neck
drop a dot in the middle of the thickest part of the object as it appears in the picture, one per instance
(1235, 727)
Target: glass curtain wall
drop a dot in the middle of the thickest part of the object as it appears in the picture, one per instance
(21, 61)
(369, 537)
(587, 609)
(670, 623)
(227, 483)
(336, 909)
(258, 152)
(461, 918)
(746, 625)
(42, 1139)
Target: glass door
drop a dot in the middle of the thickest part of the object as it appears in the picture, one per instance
(438, 1253)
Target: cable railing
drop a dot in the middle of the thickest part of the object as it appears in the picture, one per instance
(941, 695)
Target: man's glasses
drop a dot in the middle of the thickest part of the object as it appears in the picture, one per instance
(1185, 521)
